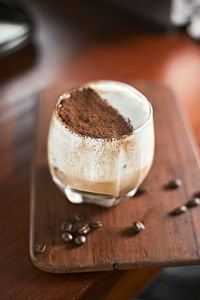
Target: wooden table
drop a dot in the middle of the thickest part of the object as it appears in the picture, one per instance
(75, 46)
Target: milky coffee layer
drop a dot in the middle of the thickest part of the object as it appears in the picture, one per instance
(113, 166)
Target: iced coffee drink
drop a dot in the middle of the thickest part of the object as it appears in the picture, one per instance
(101, 142)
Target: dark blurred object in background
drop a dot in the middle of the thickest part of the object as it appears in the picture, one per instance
(15, 27)
(166, 14)
(177, 283)
(154, 12)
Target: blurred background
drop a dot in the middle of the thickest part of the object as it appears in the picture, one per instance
(76, 41)
(84, 40)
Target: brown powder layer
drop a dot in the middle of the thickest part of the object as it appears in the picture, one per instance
(87, 114)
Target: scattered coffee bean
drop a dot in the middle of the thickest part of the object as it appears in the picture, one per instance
(116, 266)
(84, 229)
(138, 226)
(66, 226)
(178, 210)
(80, 239)
(67, 236)
(173, 184)
(140, 191)
(61, 100)
(95, 224)
(197, 194)
(193, 202)
(40, 248)
(78, 217)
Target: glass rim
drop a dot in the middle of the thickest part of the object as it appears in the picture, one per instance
(137, 92)
(119, 83)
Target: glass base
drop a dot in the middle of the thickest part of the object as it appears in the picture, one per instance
(76, 196)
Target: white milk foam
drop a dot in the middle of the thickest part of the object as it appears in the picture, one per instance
(123, 162)
(127, 100)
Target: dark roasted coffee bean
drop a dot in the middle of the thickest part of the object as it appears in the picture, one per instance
(40, 248)
(140, 191)
(173, 184)
(193, 202)
(67, 236)
(116, 266)
(80, 239)
(66, 226)
(95, 224)
(78, 217)
(84, 229)
(138, 226)
(178, 210)
(197, 194)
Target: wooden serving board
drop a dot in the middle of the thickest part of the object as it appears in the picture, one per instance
(167, 240)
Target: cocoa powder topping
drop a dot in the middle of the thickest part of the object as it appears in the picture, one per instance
(86, 113)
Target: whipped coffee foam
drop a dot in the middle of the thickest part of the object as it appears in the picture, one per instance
(112, 167)
(127, 100)
(84, 112)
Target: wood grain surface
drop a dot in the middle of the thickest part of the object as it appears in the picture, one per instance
(166, 241)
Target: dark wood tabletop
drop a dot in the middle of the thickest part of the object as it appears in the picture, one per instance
(76, 43)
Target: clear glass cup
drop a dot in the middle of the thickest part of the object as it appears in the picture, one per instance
(101, 171)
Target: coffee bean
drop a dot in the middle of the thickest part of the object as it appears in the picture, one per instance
(138, 226)
(66, 226)
(80, 239)
(78, 217)
(173, 184)
(84, 229)
(67, 236)
(95, 224)
(116, 266)
(197, 194)
(193, 202)
(140, 191)
(40, 248)
(179, 210)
